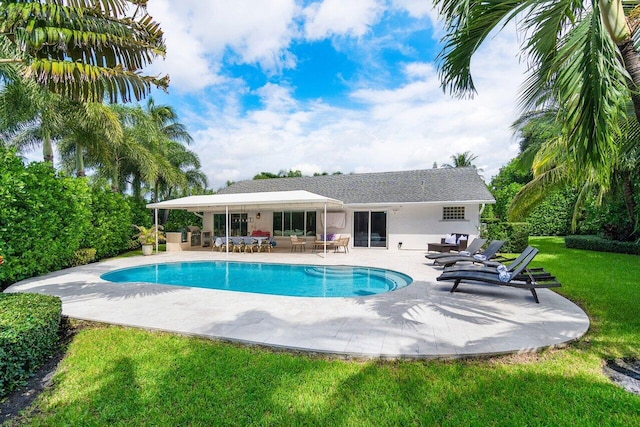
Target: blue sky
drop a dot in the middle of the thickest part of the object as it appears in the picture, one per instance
(329, 85)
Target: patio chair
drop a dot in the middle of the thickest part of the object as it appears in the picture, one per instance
(298, 243)
(473, 248)
(516, 277)
(237, 244)
(250, 244)
(342, 242)
(264, 245)
(217, 244)
(490, 252)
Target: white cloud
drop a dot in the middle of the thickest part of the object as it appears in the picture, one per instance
(406, 127)
(341, 18)
(200, 33)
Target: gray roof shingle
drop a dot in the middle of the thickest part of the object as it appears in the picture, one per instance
(426, 185)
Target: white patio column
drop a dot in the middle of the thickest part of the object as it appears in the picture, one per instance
(227, 224)
(325, 230)
(155, 219)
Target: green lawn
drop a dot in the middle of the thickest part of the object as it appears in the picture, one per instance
(120, 376)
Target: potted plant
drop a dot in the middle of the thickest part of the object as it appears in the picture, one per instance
(147, 237)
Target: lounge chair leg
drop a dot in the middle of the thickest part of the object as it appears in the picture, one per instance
(455, 285)
(535, 295)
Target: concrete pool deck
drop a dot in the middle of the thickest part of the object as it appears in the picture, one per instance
(422, 320)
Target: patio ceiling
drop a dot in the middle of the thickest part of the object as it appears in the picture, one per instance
(270, 200)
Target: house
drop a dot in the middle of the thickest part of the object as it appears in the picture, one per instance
(392, 210)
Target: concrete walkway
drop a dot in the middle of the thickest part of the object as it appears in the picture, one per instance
(422, 320)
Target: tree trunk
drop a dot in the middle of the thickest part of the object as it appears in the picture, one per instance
(631, 62)
(79, 161)
(629, 200)
(47, 148)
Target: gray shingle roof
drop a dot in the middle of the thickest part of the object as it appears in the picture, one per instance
(427, 185)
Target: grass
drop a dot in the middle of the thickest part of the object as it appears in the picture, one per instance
(120, 376)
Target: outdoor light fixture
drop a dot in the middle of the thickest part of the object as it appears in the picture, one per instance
(258, 215)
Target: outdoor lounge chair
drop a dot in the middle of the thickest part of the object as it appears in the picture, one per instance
(518, 277)
(490, 252)
(473, 248)
(490, 267)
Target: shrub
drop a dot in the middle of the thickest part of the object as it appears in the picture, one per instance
(553, 216)
(43, 218)
(29, 325)
(111, 223)
(514, 234)
(596, 243)
(83, 256)
(177, 220)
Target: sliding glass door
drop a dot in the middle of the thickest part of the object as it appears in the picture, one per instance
(370, 229)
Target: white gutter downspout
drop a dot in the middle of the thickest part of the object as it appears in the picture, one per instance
(484, 205)
(155, 219)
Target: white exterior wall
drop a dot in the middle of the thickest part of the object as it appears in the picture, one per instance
(414, 225)
(417, 225)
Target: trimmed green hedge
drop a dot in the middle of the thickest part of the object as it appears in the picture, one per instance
(596, 243)
(514, 234)
(29, 325)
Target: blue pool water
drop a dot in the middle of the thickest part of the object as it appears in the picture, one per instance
(263, 278)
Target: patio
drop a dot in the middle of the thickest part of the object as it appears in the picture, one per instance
(422, 320)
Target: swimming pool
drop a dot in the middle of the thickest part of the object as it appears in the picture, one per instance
(266, 278)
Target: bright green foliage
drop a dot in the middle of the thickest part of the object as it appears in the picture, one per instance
(140, 215)
(503, 197)
(110, 229)
(43, 218)
(83, 256)
(29, 325)
(514, 234)
(85, 50)
(553, 216)
(596, 243)
(180, 219)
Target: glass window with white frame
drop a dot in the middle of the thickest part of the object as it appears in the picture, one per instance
(294, 223)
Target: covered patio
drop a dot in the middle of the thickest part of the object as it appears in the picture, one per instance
(269, 201)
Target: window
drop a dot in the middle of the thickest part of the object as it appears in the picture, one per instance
(238, 224)
(294, 223)
(452, 213)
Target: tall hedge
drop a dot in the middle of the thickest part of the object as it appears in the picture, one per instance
(514, 234)
(111, 229)
(43, 218)
(49, 222)
(553, 216)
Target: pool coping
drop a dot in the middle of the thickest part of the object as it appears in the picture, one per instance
(422, 320)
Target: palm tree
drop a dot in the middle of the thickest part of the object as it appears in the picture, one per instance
(85, 50)
(91, 130)
(555, 167)
(30, 116)
(461, 160)
(581, 52)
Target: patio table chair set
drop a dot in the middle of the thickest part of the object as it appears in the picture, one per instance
(245, 244)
